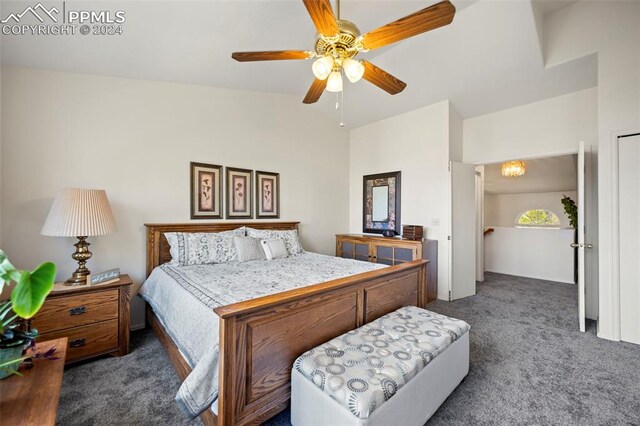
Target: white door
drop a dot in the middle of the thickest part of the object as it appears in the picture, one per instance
(580, 244)
(629, 213)
(462, 235)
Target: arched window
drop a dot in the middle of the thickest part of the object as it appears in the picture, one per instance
(538, 218)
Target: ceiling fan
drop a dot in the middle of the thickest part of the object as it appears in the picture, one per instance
(338, 41)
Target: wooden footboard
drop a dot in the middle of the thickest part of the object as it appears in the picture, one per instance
(260, 338)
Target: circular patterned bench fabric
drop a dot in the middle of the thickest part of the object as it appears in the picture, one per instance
(365, 367)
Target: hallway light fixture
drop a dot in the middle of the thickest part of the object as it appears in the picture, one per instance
(514, 168)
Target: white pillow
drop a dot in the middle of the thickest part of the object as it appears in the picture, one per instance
(290, 238)
(203, 248)
(274, 249)
(248, 249)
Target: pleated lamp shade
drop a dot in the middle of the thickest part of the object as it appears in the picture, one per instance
(80, 212)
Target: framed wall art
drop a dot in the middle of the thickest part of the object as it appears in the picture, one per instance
(381, 203)
(206, 191)
(267, 195)
(239, 192)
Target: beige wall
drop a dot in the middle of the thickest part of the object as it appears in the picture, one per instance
(503, 209)
(135, 139)
(544, 254)
(551, 126)
(417, 144)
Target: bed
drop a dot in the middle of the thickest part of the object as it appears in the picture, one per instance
(259, 338)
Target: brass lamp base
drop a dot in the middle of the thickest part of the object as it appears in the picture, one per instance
(82, 254)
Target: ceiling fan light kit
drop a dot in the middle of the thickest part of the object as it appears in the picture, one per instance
(338, 41)
(354, 70)
(334, 82)
(322, 67)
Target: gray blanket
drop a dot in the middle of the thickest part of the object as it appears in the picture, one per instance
(183, 298)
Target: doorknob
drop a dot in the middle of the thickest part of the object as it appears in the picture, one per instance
(580, 245)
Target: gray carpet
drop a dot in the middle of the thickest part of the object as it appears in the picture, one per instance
(529, 365)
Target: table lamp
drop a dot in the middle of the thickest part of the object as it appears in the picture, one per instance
(80, 213)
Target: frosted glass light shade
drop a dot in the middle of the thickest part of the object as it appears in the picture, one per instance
(514, 168)
(354, 70)
(322, 67)
(79, 212)
(334, 84)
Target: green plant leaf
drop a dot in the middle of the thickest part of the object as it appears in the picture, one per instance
(8, 272)
(5, 309)
(5, 323)
(32, 288)
(4, 365)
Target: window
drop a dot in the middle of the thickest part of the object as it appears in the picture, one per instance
(538, 218)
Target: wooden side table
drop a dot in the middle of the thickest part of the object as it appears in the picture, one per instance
(95, 318)
(33, 398)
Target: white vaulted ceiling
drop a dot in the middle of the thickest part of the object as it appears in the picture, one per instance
(488, 59)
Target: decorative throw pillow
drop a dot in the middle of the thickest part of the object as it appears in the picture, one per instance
(248, 248)
(202, 248)
(274, 249)
(290, 238)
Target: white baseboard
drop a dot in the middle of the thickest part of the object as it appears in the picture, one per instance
(135, 327)
(533, 277)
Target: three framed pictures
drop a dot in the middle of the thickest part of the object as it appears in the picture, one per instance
(207, 190)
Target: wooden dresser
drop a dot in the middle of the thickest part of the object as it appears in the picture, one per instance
(391, 251)
(94, 318)
(32, 398)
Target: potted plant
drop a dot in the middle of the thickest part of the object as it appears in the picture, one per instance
(571, 210)
(27, 297)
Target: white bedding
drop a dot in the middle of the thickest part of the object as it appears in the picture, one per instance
(183, 298)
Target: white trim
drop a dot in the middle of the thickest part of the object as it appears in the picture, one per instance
(615, 244)
(449, 237)
(529, 157)
(480, 224)
(139, 326)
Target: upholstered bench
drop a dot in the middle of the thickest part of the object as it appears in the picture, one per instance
(396, 370)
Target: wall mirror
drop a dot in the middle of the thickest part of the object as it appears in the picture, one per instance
(381, 203)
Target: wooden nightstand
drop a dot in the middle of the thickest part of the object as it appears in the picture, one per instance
(94, 318)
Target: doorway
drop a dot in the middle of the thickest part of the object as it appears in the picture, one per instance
(529, 234)
(585, 160)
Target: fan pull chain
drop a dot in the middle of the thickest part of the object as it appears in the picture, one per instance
(342, 109)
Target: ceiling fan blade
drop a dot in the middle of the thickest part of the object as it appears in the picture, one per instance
(382, 79)
(322, 16)
(315, 91)
(270, 55)
(430, 18)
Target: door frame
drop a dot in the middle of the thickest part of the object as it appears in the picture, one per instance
(592, 309)
(614, 257)
(480, 223)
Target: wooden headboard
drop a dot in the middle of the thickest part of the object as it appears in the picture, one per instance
(158, 247)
